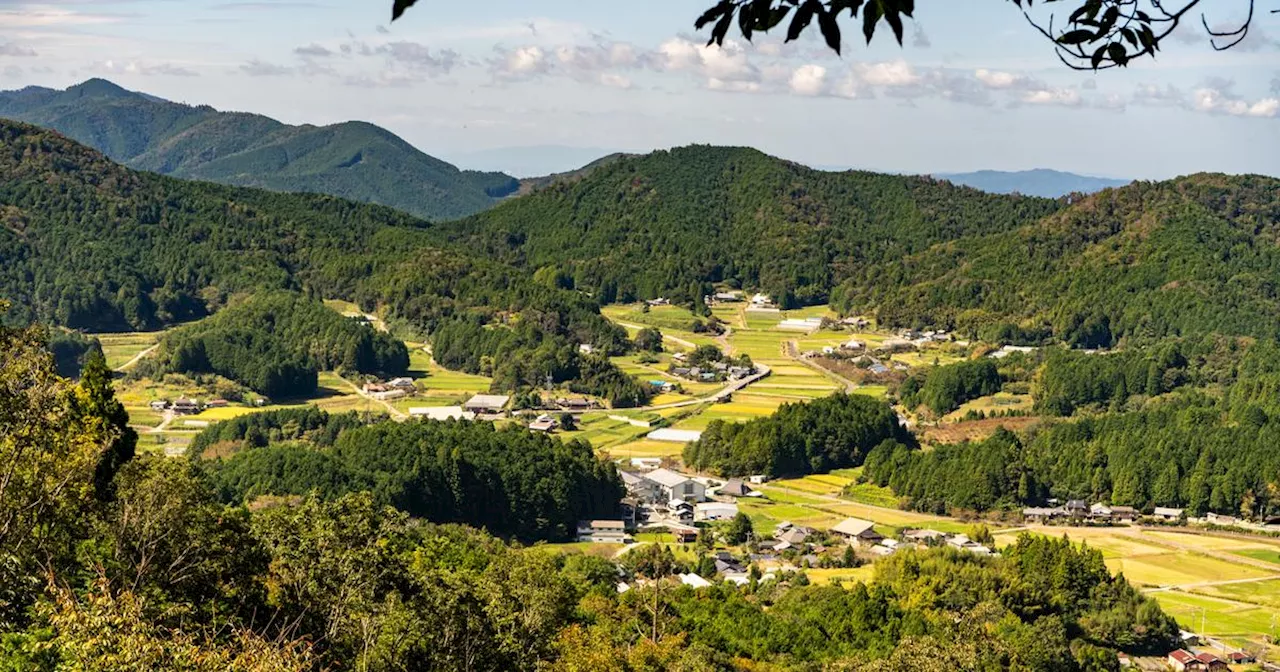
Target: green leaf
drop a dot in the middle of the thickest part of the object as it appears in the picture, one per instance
(871, 14)
(830, 29)
(1076, 37)
(801, 20)
(398, 8)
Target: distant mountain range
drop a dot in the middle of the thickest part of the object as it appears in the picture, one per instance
(1038, 182)
(353, 160)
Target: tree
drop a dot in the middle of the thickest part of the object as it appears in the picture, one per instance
(740, 529)
(1096, 35)
(649, 339)
(99, 400)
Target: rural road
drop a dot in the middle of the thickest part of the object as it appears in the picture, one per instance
(395, 413)
(137, 358)
(762, 371)
(679, 341)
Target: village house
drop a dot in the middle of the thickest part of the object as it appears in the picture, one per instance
(924, 537)
(1168, 515)
(603, 531)
(544, 423)
(761, 301)
(658, 302)
(160, 405)
(1219, 519)
(694, 581)
(1036, 514)
(856, 530)
(964, 543)
(487, 404)
(678, 486)
(1077, 508)
(405, 384)
(712, 511)
(642, 488)
(726, 297)
(440, 413)
(684, 534)
(735, 487)
(646, 463)
(217, 403)
(1124, 514)
(186, 407)
(576, 404)
(388, 394)
(680, 510)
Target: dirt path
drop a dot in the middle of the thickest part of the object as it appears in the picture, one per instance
(395, 413)
(793, 351)
(137, 358)
(1210, 584)
(666, 337)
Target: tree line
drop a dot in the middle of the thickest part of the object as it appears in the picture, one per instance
(802, 438)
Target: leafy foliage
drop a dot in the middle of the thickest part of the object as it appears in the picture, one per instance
(668, 223)
(947, 387)
(512, 482)
(814, 437)
(276, 343)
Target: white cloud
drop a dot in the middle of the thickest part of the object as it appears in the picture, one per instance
(995, 79)
(11, 49)
(257, 68)
(890, 73)
(421, 57)
(1052, 96)
(313, 51)
(114, 67)
(615, 81)
(808, 80)
(1220, 101)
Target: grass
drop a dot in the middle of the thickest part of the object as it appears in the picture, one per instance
(824, 577)
(645, 448)
(996, 403)
(1214, 616)
(120, 348)
(1265, 554)
(581, 547)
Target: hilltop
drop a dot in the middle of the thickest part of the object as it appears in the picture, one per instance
(353, 160)
(671, 222)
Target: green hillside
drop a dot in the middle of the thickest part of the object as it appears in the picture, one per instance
(665, 223)
(354, 160)
(1190, 256)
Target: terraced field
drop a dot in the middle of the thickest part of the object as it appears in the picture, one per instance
(120, 349)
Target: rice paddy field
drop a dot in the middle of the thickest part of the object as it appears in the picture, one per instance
(120, 349)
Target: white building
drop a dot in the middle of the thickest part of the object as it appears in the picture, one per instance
(603, 531)
(441, 413)
(715, 511)
(677, 486)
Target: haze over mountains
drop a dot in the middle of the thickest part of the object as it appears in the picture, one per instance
(1037, 182)
(353, 160)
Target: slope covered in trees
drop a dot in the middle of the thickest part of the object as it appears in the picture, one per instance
(800, 438)
(276, 344)
(1194, 255)
(93, 246)
(512, 482)
(667, 223)
(353, 160)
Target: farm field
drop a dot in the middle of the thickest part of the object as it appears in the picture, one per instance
(997, 403)
(119, 349)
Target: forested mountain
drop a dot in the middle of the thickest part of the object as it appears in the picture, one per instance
(1194, 255)
(1037, 182)
(666, 223)
(90, 245)
(353, 160)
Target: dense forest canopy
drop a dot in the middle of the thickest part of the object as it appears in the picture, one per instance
(511, 482)
(666, 223)
(93, 246)
(277, 343)
(801, 438)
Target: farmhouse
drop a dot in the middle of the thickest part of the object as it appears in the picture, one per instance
(658, 302)
(715, 511)
(217, 403)
(761, 301)
(677, 486)
(388, 394)
(1042, 515)
(856, 530)
(736, 488)
(160, 405)
(186, 407)
(603, 531)
(486, 404)
(694, 581)
(441, 413)
(642, 488)
(1076, 508)
(405, 384)
(1124, 514)
(1168, 515)
(544, 423)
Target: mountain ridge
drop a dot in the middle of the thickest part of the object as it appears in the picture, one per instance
(1044, 182)
(355, 160)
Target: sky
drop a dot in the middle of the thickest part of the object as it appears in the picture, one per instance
(533, 85)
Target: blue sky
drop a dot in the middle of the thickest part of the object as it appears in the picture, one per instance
(972, 88)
